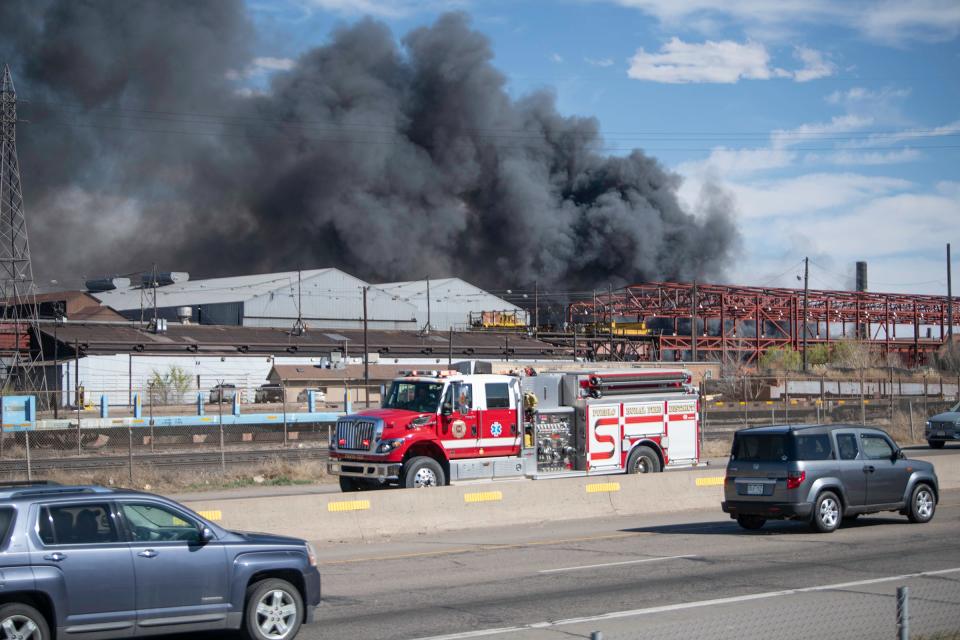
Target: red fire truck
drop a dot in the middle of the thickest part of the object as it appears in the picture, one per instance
(438, 427)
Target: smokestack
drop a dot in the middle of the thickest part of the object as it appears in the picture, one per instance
(861, 276)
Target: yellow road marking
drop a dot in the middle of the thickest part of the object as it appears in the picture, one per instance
(603, 487)
(710, 482)
(214, 516)
(483, 496)
(485, 547)
(348, 505)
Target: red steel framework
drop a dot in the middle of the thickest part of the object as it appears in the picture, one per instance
(728, 315)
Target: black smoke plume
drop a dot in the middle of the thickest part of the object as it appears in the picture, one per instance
(390, 161)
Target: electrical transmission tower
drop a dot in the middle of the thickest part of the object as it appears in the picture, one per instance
(20, 367)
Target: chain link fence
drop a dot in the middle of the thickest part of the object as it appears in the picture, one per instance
(855, 611)
(899, 406)
(224, 429)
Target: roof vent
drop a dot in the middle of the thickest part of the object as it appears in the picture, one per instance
(98, 285)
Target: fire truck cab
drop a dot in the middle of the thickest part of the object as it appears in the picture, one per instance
(438, 427)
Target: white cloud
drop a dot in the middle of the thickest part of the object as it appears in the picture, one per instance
(725, 61)
(815, 66)
(722, 62)
(863, 158)
(820, 131)
(888, 21)
(261, 66)
(599, 62)
(738, 162)
(811, 194)
(556, 57)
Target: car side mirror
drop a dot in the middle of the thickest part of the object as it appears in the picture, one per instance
(206, 534)
(899, 455)
(446, 410)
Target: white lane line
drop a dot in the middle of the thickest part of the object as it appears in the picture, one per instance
(687, 605)
(614, 564)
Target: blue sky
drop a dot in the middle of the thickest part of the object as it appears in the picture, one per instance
(833, 126)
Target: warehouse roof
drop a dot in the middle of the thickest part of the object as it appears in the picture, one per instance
(213, 290)
(212, 339)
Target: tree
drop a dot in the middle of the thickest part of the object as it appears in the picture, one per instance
(780, 359)
(853, 354)
(818, 354)
(169, 388)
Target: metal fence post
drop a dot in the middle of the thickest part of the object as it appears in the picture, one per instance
(903, 613)
(223, 453)
(130, 452)
(26, 435)
(283, 397)
(910, 405)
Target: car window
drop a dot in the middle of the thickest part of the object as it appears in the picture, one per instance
(847, 446)
(6, 518)
(813, 447)
(760, 447)
(498, 395)
(76, 524)
(876, 447)
(152, 523)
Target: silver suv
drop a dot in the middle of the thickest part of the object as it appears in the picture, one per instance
(823, 474)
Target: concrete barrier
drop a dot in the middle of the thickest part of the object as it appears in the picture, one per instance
(381, 514)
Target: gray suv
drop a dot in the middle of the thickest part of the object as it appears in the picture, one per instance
(102, 563)
(943, 427)
(823, 474)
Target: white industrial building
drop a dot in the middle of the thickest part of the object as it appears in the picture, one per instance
(320, 298)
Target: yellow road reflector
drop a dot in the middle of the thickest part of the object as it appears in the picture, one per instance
(710, 482)
(213, 516)
(603, 487)
(483, 496)
(719, 404)
(348, 505)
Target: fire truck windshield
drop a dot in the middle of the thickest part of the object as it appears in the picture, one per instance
(420, 396)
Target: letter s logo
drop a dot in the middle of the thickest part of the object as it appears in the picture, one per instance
(602, 436)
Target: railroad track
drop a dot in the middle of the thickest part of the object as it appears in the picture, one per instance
(190, 459)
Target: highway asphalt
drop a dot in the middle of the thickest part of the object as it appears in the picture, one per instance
(688, 575)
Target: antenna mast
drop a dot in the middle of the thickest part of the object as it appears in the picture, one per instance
(20, 365)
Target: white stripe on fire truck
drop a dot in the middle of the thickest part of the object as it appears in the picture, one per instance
(473, 443)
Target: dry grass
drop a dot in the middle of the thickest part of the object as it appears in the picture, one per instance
(272, 472)
(716, 448)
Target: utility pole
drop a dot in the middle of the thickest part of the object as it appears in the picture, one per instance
(366, 353)
(806, 293)
(949, 303)
(18, 316)
(298, 326)
(427, 328)
(536, 308)
(693, 327)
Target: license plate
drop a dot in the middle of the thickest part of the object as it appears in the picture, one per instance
(754, 489)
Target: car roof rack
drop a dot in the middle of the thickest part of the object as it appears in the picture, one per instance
(27, 492)
(15, 484)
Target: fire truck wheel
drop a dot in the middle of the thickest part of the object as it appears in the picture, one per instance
(643, 460)
(423, 472)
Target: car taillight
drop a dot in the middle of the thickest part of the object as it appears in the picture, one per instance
(366, 443)
(795, 479)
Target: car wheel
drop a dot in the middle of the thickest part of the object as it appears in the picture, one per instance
(936, 444)
(23, 621)
(751, 523)
(422, 472)
(923, 504)
(826, 512)
(274, 610)
(643, 460)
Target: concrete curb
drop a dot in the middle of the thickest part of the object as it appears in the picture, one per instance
(381, 514)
